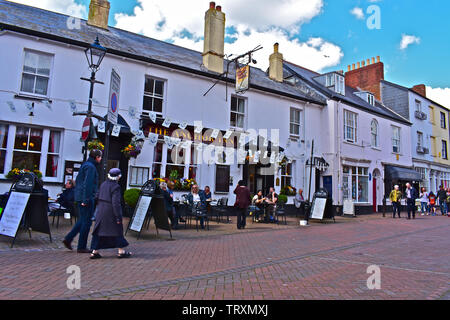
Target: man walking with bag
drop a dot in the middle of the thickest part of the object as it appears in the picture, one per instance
(85, 192)
(411, 196)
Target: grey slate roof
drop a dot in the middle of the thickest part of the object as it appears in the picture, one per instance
(47, 24)
(350, 97)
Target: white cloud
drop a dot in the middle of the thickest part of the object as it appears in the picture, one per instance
(68, 7)
(407, 40)
(440, 95)
(358, 13)
(257, 22)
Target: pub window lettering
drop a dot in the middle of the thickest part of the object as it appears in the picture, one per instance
(36, 73)
(154, 95)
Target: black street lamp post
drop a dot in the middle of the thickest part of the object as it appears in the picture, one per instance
(94, 55)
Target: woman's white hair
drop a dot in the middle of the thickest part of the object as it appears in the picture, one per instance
(114, 178)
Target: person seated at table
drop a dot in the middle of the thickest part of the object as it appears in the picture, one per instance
(272, 199)
(65, 199)
(299, 201)
(258, 203)
(208, 194)
(197, 197)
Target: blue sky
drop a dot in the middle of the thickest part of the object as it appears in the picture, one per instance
(322, 35)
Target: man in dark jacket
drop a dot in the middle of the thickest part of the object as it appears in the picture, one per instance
(442, 195)
(411, 196)
(86, 187)
(242, 203)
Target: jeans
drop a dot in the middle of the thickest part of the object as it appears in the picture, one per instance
(443, 206)
(83, 225)
(396, 209)
(424, 207)
(241, 217)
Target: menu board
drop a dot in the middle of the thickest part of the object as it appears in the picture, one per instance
(349, 208)
(318, 208)
(11, 217)
(140, 213)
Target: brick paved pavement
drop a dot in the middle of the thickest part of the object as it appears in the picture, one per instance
(323, 261)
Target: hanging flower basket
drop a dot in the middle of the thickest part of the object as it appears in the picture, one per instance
(95, 145)
(131, 151)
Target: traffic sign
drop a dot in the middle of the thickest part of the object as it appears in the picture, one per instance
(85, 129)
(113, 108)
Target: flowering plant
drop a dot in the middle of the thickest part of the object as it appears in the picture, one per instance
(16, 173)
(132, 150)
(179, 184)
(95, 145)
(288, 191)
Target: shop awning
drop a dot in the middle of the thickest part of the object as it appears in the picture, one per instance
(403, 174)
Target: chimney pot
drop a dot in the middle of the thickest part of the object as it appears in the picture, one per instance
(353, 66)
(349, 67)
(373, 60)
(212, 5)
(219, 8)
(276, 64)
(368, 61)
(363, 63)
(378, 58)
(99, 13)
(358, 65)
(276, 47)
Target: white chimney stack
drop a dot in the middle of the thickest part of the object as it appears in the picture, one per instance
(213, 50)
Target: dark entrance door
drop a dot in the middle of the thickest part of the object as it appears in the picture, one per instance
(257, 181)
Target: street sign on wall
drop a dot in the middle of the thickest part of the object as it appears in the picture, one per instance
(114, 93)
(85, 129)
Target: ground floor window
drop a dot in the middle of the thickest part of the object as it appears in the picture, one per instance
(356, 184)
(286, 175)
(33, 148)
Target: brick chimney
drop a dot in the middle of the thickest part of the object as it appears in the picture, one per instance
(366, 76)
(420, 89)
(276, 64)
(99, 13)
(213, 47)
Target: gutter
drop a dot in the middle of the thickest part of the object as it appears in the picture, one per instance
(148, 60)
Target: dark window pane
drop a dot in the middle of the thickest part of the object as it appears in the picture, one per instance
(52, 166)
(35, 140)
(27, 83)
(159, 88)
(55, 141)
(21, 141)
(233, 122)
(148, 103)
(2, 161)
(157, 157)
(156, 170)
(3, 135)
(240, 121)
(26, 160)
(241, 105)
(193, 173)
(233, 104)
(149, 85)
(222, 178)
(157, 105)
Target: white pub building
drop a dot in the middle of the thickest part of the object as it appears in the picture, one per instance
(162, 90)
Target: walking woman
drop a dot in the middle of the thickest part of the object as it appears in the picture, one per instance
(424, 201)
(108, 229)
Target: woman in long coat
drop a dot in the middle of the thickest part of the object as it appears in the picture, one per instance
(108, 229)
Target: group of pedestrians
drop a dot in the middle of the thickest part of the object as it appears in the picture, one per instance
(428, 201)
(106, 203)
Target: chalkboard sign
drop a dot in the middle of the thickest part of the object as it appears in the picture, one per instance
(349, 208)
(11, 217)
(140, 213)
(318, 208)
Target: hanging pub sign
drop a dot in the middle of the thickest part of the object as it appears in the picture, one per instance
(242, 79)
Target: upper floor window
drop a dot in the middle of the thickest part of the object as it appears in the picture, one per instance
(237, 116)
(431, 109)
(418, 106)
(396, 139)
(371, 99)
(350, 126)
(4, 128)
(36, 73)
(374, 132)
(295, 123)
(443, 121)
(153, 95)
(444, 150)
(419, 139)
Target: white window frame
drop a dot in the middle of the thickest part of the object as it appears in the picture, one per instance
(155, 96)
(5, 149)
(22, 72)
(443, 121)
(418, 106)
(349, 183)
(239, 113)
(396, 140)
(353, 125)
(444, 150)
(375, 135)
(371, 99)
(287, 176)
(293, 123)
(419, 139)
